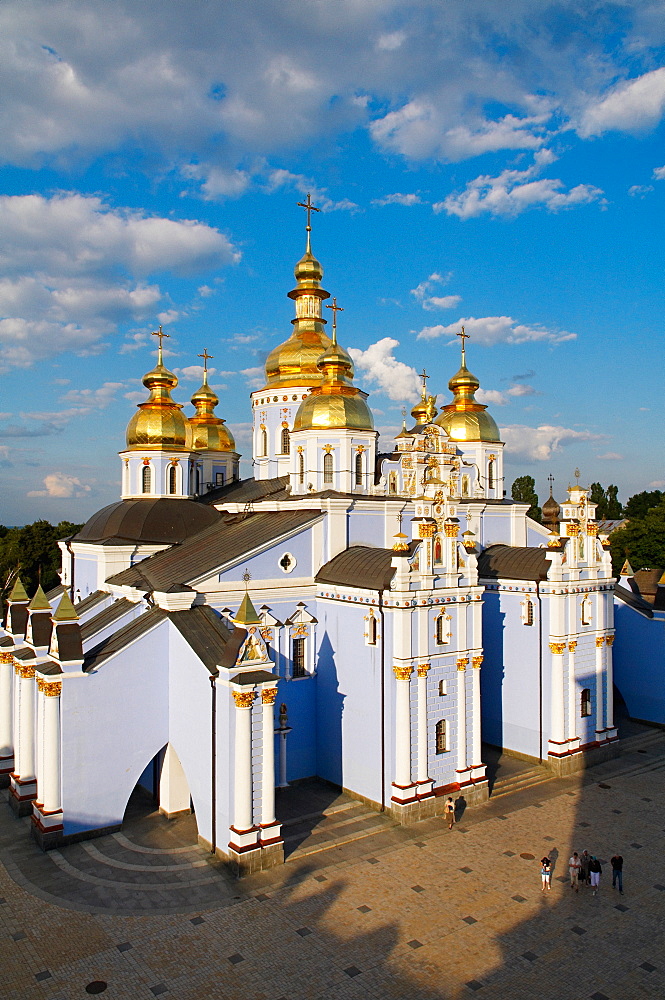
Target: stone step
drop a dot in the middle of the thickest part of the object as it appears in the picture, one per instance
(518, 782)
(642, 740)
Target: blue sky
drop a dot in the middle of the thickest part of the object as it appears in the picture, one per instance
(497, 165)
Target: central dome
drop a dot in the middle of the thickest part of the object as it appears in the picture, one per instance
(465, 419)
(337, 402)
(160, 424)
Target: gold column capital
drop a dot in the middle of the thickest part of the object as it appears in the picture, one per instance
(462, 663)
(557, 648)
(403, 673)
(451, 530)
(52, 690)
(609, 639)
(268, 696)
(6, 658)
(423, 668)
(572, 646)
(600, 641)
(23, 670)
(477, 660)
(243, 699)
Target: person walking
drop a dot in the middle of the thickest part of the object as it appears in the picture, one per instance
(617, 872)
(546, 873)
(574, 869)
(585, 858)
(449, 810)
(595, 871)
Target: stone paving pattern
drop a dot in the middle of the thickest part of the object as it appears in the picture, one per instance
(362, 909)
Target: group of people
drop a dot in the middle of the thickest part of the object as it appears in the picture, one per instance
(584, 868)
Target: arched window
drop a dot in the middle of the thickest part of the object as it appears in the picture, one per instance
(327, 468)
(491, 474)
(173, 479)
(299, 657)
(146, 481)
(586, 611)
(441, 736)
(371, 631)
(466, 486)
(438, 550)
(264, 443)
(286, 441)
(585, 703)
(527, 616)
(442, 629)
(301, 468)
(359, 468)
(392, 483)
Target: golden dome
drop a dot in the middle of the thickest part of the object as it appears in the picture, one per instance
(159, 424)
(337, 402)
(295, 361)
(209, 432)
(465, 419)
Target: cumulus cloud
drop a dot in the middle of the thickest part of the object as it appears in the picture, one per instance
(499, 398)
(93, 398)
(629, 106)
(320, 198)
(422, 293)
(379, 365)
(72, 269)
(659, 173)
(640, 190)
(398, 199)
(539, 443)
(514, 191)
(217, 183)
(496, 329)
(59, 484)
(256, 377)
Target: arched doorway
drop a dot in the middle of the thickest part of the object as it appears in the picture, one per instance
(162, 792)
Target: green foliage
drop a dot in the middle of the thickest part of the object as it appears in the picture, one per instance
(607, 500)
(641, 541)
(32, 551)
(524, 491)
(641, 503)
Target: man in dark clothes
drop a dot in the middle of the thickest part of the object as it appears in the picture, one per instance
(617, 872)
(595, 871)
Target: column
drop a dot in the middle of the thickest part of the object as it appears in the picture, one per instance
(268, 696)
(402, 727)
(242, 792)
(572, 692)
(50, 782)
(423, 769)
(600, 666)
(557, 732)
(476, 750)
(609, 685)
(462, 664)
(6, 715)
(25, 719)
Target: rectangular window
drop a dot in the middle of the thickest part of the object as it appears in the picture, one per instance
(219, 479)
(443, 687)
(441, 737)
(299, 657)
(585, 703)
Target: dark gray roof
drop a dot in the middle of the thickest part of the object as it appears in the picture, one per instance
(163, 520)
(56, 592)
(231, 537)
(254, 677)
(25, 653)
(359, 566)
(634, 601)
(248, 490)
(123, 637)
(90, 601)
(513, 562)
(207, 635)
(105, 618)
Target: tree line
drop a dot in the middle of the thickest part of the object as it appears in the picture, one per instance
(33, 554)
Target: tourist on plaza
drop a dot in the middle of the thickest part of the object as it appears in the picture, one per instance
(617, 872)
(585, 858)
(546, 873)
(449, 810)
(595, 871)
(574, 869)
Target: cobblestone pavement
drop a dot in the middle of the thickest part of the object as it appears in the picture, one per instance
(362, 909)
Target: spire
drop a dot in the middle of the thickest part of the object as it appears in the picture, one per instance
(65, 611)
(39, 602)
(307, 205)
(18, 593)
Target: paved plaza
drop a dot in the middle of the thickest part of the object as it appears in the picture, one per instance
(362, 908)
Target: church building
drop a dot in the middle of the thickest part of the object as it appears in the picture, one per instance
(367, 618)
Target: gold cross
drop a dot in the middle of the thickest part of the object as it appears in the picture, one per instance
(206, 358)
(336, 309)
(464, 336)
(424, 376)
(160, 333)
(309, 208)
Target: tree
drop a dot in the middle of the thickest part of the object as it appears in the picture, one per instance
(524, 491)
(33, 552)
(607, 503)
(641, 503)
(641, 541)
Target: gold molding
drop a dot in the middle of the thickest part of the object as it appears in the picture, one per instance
(6, 658)
(609, 640)
(53, 690)
(557, 648)
(462, 663)
(592, 529)
(451, 530)
(24, 671)
(402, 673)
(243, 699)
(477, 660)
(573, 530)
(427, 530)
(423, 668)
(600, 641)
(572, 646)
(268, 696)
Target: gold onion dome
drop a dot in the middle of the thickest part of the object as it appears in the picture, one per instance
(209, 432)
(295, 361)
(465, 419)
(337, 402)
(160, 423)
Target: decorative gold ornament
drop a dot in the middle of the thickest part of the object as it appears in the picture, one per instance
(592, 529)
(600, 641)
(427, 530)
(609, 640)
(572, 646)
(243, 699)
(328, 448)
(572, 530)
(423, 669)
(53, 690)
(402, 673)
(557, 647)
(451, 530)
(462, 663)
(24, 671)
(268, 696)
(477, 661)
(6, 658)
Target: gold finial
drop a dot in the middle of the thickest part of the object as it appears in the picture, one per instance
(464, 336)
(159, 333)
(336, 309)
(577, 475)
(206, 358)
(309, 208)
(550, 480)
(424, 376)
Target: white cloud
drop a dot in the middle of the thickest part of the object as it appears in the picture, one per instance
(629, 106)
(217, 182)
(93, 398)
(492, 396)
(59, 484)
(320, 198)
(168, 316)
(68, 267)
(539, 443)
(431, 302)
(390, 41)
(522, 390)
(378, 364)
(398, 199)
(611, 456)
(657, 484)
(659, 173)
(514, 191)
(639, 190)
(494, 330)
(256, 377)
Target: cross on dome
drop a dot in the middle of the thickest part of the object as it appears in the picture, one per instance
(463, 336)
(335, 308)
(160, 333)
(309, 208)
(206, 358)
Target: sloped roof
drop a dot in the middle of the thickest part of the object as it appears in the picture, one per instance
(162, 520)
(224, 542)
(634, 601)
(106, 618)
(123, 637)
(208, 636)
(90, 601)
(513, 562)
(359, 566)
(248, 490)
